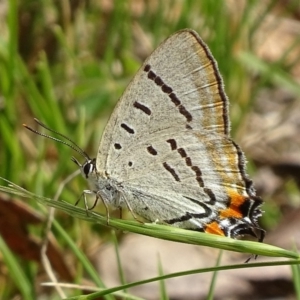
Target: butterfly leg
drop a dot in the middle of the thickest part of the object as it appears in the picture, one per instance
(84, 193)
(95, 203)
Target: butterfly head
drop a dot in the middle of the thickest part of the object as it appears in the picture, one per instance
(88, 168)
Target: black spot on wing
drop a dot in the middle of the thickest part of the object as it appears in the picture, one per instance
(184, 112)
(127, 128)
(151, 150)
(198, 173)
(171, 171)
(117, 146)
(211, 195)
(172, 143)
(182, 152)
(142, 107)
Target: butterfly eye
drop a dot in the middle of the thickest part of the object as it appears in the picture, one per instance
(88, 168)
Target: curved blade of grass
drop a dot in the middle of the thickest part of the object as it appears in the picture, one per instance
(162, 285)
(210, 294)
(296, 279)
(81, 257)
(119, 262)
(184, 273)
(158, 231)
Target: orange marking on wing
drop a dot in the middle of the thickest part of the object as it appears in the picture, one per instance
(233, 210)
(214, 228)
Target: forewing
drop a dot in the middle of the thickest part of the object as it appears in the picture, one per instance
(178, 86)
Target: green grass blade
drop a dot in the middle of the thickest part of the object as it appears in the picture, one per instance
(16, 272)
(82, 258)
(162, 285)
(94, 296)
(158, 231)
(296, 279)
(210, 295)
(119, 263)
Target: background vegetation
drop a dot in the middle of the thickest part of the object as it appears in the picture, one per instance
(67, 63)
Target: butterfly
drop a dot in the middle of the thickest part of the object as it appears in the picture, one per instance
(166, 153)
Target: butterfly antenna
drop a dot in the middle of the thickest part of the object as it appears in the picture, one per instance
(72, 144)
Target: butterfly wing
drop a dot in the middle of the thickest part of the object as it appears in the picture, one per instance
(178, 85)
